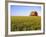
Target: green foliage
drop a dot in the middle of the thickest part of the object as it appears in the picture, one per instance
(25, 23)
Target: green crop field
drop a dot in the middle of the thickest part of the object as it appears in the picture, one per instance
(25, 23)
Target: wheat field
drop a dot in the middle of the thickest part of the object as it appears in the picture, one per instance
(25, 23)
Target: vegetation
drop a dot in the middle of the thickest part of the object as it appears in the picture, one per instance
(25, 23)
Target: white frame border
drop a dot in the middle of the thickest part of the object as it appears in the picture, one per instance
(24, 32)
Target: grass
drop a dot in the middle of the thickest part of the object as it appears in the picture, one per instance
(25, 23)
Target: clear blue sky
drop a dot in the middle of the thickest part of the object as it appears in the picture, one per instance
(17, 10)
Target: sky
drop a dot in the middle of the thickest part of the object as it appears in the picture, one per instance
(17, 10)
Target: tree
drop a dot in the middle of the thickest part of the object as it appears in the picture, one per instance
(34, 13)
